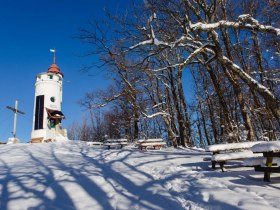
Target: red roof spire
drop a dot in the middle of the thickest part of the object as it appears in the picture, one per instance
(54, 68)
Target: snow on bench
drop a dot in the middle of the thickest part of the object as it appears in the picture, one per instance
(234, 156)
(270, 146)
(231, 146)
(232, 151)
(155, 143)
(253, 161)
(224, 157)
(259, 161)
(94, 143)
(109, 143)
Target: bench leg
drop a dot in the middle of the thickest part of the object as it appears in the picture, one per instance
(213, 164)
(222, 166)
(266, 176)
(140, 147)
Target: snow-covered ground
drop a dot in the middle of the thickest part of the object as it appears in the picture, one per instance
(73, 175)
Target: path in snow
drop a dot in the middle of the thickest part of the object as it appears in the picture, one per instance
(74, 176)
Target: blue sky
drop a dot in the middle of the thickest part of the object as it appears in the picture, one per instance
(29, 29)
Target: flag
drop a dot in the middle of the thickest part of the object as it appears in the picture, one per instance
(52, 50)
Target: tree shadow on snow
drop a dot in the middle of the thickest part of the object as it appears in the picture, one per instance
(126, 182)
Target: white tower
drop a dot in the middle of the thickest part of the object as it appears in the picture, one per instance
(47, 113)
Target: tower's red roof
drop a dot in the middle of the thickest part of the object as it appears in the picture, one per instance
(54, 69)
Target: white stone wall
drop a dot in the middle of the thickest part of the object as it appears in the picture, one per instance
(49, 85)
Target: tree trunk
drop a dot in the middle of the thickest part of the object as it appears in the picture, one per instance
(182, 128)
(203, 121)
(184, 109)
(238, 92)
(226, 115)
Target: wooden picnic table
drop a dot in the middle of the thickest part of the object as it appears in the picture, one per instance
(94, 143)
(230, 151)
(36, 140)
(155, 143)
(270, 151)
(110, 143)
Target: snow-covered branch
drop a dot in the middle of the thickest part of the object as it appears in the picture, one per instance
(244, 21)
(189, 58)
(156, 42)
(158, 105)
(155, 114)
(153, 40)
(108, 100)
(246, 77)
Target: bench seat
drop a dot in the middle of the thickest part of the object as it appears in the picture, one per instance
(149, 141)
(259, 161)
(267, 169)
(234, 156)
(254, 161)
(154, 143)
(225, 157)
(114, 144)
(94, 143)
(110, 143)
(231, 151)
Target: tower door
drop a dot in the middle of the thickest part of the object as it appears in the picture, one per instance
(39, 112)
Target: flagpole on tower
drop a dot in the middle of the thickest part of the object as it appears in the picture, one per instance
(54, 54)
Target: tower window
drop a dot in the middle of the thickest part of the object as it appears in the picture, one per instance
(50, 76)
(52, 99)
(39, 112)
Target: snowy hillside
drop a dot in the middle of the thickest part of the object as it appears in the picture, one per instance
(75, 176)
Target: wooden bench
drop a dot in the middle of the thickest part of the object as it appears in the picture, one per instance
(154, 143)
(48, 140)
(229, 156)
(223, 153)
(94, 143)
(271, 155)
(113, 143)
(36, 140)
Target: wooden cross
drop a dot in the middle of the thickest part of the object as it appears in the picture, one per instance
(16, 111)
